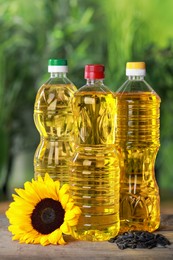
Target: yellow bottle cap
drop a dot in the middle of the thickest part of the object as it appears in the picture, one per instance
(135, 69)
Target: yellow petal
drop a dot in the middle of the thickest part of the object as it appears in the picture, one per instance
(16, 237)
(65, 188)
(57, 187)
(64, 200)
(48, 179)
(26, 228)
(18, 199)
(65, 228)
(14, 229)
(52, 192)
(17, 221)
(41, 190)
(30, 190)
(19, 202)
(61, 241)
(50, 187)
(57, 184)
(55, 236)
(72, 222)
(76, 210)
(69, 205)
(37, 240)
(17, 218)
(21, 211)
(28, 196)
(28, 185)
(69, 215)
(28, 238)
(39, 179)
(44, 240)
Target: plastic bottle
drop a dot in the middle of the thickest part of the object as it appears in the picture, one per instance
(138, 133)
(95, 165)
(54, 121)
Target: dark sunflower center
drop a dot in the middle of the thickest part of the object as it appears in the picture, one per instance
(47, 216)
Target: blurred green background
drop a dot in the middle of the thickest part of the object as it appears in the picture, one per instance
(111, 32)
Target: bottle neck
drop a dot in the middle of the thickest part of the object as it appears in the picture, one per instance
(58, 74)
(135, 77)
(94, 82)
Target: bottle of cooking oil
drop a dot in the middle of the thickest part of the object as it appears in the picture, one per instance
(95, 164)
(54, 121)
(137, 140)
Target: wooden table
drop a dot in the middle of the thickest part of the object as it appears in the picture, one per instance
(80, 249)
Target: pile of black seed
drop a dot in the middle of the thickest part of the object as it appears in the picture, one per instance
(139, 239)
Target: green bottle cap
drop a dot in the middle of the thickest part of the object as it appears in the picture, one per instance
(57, 62)
(57, 65)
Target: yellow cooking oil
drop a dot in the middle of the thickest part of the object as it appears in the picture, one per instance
(54, 120)
(95, 165)
(137, 140)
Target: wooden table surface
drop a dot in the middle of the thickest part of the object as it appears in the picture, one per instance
(81, 249)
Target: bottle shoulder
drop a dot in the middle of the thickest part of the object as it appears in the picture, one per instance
(99, 89)
(136, 87)
(60, 81)
(54, 93)
(54, 84)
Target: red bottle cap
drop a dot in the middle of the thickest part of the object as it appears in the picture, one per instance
(94, 71)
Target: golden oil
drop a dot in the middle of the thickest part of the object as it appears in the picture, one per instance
(54, 120)
(95, 164)
(137, 140)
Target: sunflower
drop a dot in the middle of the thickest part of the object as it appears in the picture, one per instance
(42, 212)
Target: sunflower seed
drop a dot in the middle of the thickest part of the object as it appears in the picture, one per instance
(139, 239)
